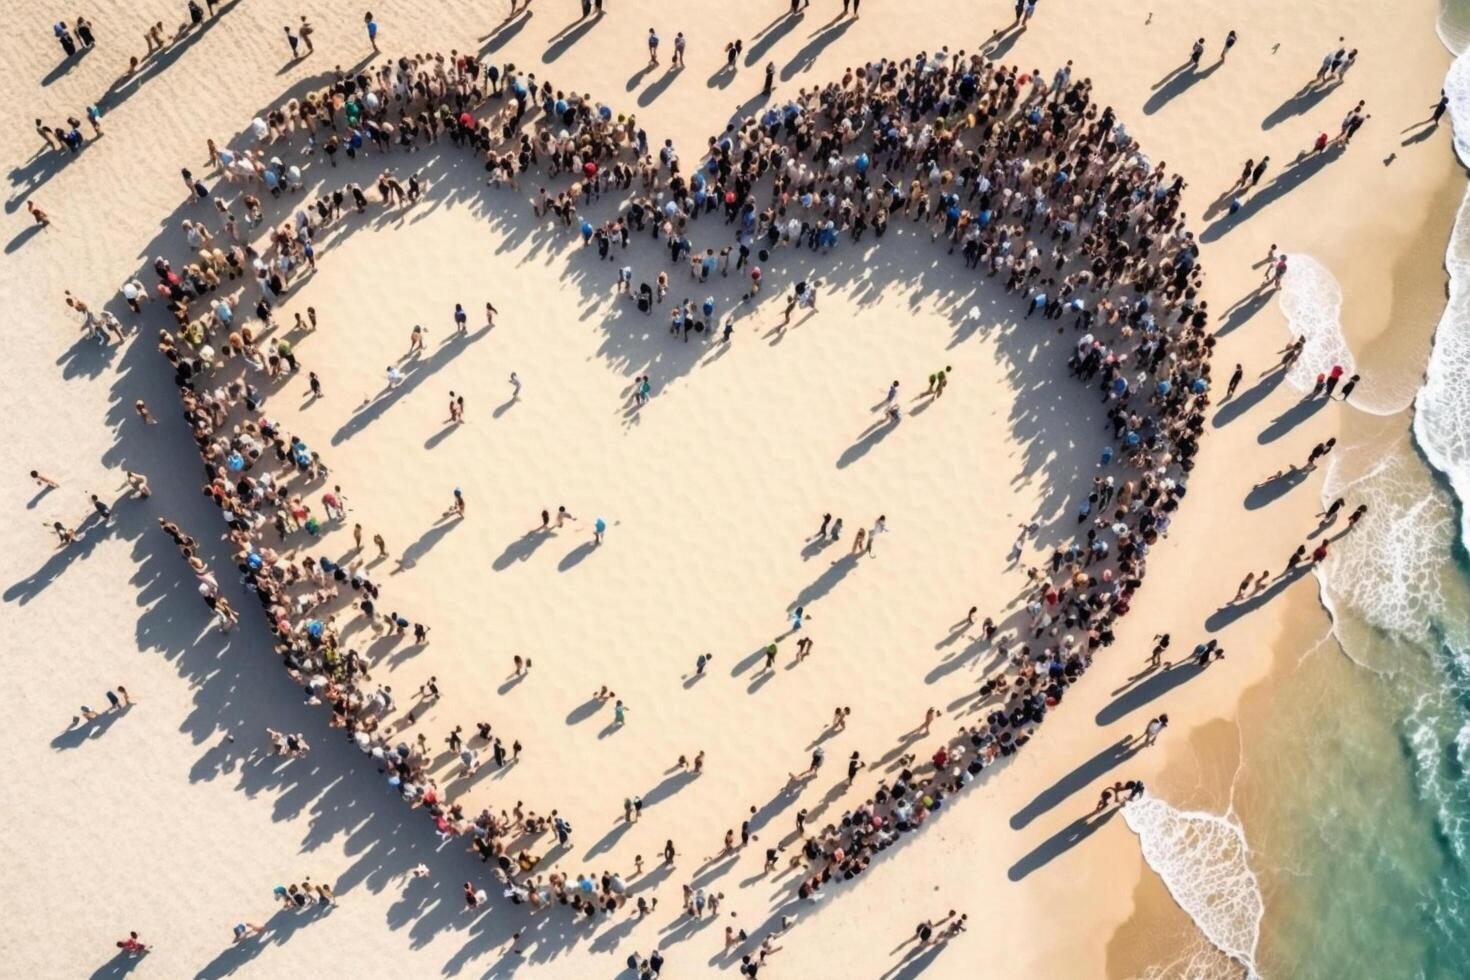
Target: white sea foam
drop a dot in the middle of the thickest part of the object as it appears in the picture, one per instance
(1442, 410)
(1203, 859)
(1197, 961)
(1311, 301)
(1428, 730)
(1389, 570)
(1453, 26)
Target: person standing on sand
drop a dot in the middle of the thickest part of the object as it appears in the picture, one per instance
(1277, 272)
(1154, 728)
(1439, 109)
(1230, 40)
(64, 535)
(372, 30)
(244, 930)
(880, 526)
(1235, 379)
(1320, 451)
(515, 387)
(1259, 171)
(652, 47)
(819, 755)
(1333, 377)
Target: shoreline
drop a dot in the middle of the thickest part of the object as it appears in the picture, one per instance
(1374, 324)
(1190, 705)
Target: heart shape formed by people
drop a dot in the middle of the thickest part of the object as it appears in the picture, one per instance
(817, 201)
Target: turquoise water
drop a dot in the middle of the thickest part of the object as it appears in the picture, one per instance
(1355, 787)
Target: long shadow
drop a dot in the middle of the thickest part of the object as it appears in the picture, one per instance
(576, 556)
(1295, 175)
(1059, 843)
(126, 87)
(1305, 98)
(584, 711)
(722, 77)
(815, 547)
(418, 372)
(82, 732)
(506, 31)
(999, 44)
(444, 433)
(771, 37)
(120, 965)
(1271, 490)
(610, 839)
(646, 97)
(1150, 690)
(425, 543)
(562, 41)
(1246, 307)
(1291, 418)
(667, 787)
(61, 559)
(64, 66)
(826, 582)
(521, 549)
(1249, 399)
(1428, 130)
(914, 963)
(1175, 85)
(278, 931)
(1225, 615)
(748, 661)
(21, 237)
(1105, 761)
(955, 661)
(31, 176)
(803, 60)
(866, 442)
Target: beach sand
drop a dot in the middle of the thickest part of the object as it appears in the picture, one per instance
(710, 493)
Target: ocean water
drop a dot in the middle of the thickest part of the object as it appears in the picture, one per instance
(1345, 849)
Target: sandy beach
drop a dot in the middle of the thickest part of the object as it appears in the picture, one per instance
(174, 819)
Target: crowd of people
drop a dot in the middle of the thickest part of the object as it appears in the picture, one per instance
(1028, 179)
(1024, 175)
